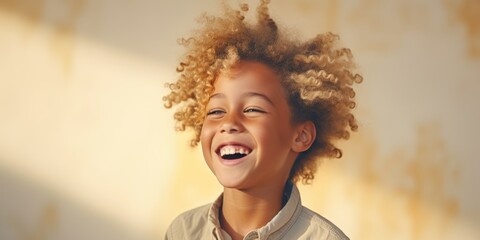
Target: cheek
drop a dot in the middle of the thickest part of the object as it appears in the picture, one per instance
(267, 133)
(287, 129)
(206, 136)
(281, 128)
(279, 135)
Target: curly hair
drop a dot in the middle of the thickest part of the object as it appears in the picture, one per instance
(316, 74)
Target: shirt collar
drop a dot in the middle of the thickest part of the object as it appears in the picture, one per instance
(276, 227)
(214, 220)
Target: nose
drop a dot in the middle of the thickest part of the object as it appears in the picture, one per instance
(231, 124)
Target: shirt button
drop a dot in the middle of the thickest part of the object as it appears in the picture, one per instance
(252, 236)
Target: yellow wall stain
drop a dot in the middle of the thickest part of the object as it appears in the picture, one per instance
(327, 10)
(386, 30)
(407, 192)
(380, 32)
(416, 196)
(44, 227)
(467, 12)
(63, 39)
(430, 169)
(332, 10)
(30, 11)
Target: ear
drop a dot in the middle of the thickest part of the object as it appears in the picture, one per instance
(305, 136)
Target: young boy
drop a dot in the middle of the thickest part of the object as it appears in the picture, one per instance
(265, 107)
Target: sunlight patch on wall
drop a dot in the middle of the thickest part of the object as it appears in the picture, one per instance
(99, 135)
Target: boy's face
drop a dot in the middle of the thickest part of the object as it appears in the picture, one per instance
(247, 135)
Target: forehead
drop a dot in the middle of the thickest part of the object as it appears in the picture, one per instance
(251, 75)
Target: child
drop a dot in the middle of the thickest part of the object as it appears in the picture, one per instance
(265, 107)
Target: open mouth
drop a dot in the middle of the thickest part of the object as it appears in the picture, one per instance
(230, 152)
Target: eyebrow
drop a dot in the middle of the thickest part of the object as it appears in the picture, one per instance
(247, 94)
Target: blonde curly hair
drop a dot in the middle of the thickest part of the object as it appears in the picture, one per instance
(316, 75)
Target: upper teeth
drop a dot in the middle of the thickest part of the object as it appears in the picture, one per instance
(227, 150)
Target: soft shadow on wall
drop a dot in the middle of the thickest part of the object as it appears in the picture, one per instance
(84, 141)
(52, 215)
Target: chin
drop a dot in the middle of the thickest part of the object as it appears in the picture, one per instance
(231, 181)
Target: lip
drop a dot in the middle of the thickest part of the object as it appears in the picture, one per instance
(233, 161)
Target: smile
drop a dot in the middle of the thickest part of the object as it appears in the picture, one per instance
(231, 152)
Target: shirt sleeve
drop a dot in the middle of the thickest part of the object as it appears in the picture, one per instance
(169, 234)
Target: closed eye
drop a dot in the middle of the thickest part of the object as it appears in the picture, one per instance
(251, 110)
(215, 112)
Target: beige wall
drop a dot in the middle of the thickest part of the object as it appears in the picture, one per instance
(88, 152)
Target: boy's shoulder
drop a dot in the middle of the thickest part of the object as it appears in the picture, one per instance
(196, 214)
(192, 223)
(318, 226)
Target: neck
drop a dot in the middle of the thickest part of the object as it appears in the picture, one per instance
(245, 210)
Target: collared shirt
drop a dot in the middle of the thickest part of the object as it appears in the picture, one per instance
(293, 221)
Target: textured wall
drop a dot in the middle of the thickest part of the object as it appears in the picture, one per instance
(88, 152)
